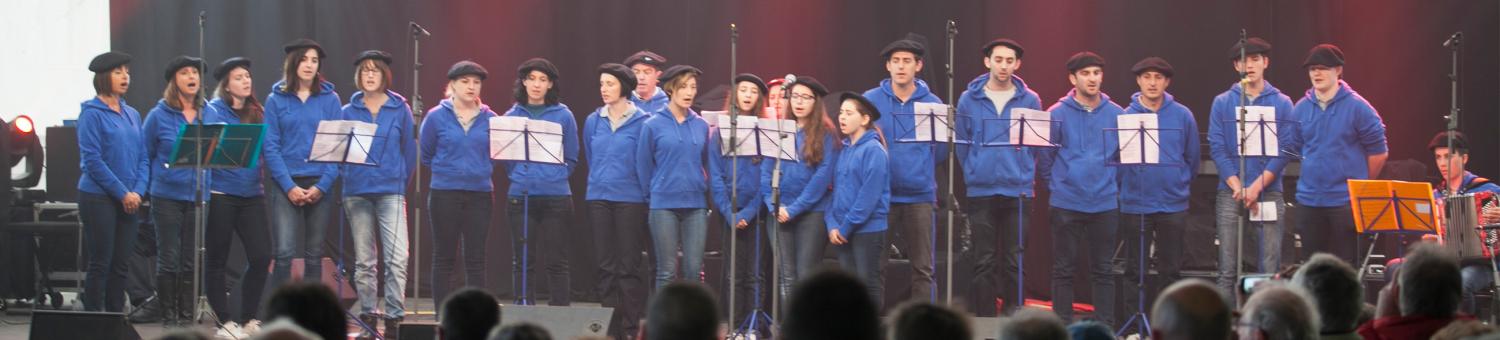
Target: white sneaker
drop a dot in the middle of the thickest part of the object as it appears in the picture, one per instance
(230, 330)
(251, 327)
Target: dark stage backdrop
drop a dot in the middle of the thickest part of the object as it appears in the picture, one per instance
(1394, 58)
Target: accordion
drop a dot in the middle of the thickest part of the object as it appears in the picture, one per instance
(1462, 228)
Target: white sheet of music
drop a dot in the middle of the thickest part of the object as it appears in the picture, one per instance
(931, 122)
(744, 134)
(1266, 212)
(519, 138)
(1137, 147)
(778, 138)
(1037, 130)
(1260, 125)
(332, 143)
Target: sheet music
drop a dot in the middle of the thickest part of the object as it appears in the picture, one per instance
(745, 136)
(332, 143)
(528, 140)
(1265, 212)
(1260, 125)
(778, 138)
(1137, 147)
(1037, 130)
(931, 122)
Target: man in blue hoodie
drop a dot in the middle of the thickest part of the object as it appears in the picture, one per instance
(1154, 199)
(913, 187)
(1339, 137)
(1085, 214)
(1263, 173)
(999, 179)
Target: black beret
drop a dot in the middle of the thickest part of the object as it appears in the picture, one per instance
(537, 64)
(914, 43)
(760, 84)
(646, 57)
(1084, 59)
(864, 103)
(812, 84)
(678, 70)
(180, 62)
(621, 73)
(304, 43)
(373, 54)
(1012, 44)
(108, 61)
(1152, 64)
(1326, 55)
(465, 68)
(229, 65)
(1252, 46)
(1441, 141)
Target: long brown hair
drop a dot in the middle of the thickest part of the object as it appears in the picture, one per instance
(733, 99)
(173, 96)
(251, 112)
(812, 147)
(289, 80)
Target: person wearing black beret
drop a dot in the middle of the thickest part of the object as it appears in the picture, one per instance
(913, 165)
(670, 163)
(648, 67)
(298, 102)
(857, 215)
(998, 179)
(798, 221)
(616, 198)
(539, 195)
(1452, 159)
(1262, 175)
(239, 206)
(113, 179)
(1084, 210)
(1154, 200)
(172, 190)
(1340, 129)
(455, 144)
(746, 97)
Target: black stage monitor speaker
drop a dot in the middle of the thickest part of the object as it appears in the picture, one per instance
(62, 164)
(52, 325)
(563, 322)
(416, 330)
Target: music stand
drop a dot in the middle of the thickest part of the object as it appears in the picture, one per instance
(1021, 131)
(1381, 207)
(1140, 147)
(342, 142)
(932, 123)
(524, 140)
(217, 146)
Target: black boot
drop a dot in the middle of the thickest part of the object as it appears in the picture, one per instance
(393, 328)
(147, 312)
(186, 301)
(166, 297)
(368, 320)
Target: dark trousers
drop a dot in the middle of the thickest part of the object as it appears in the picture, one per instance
(752, 266)
(621, 236)
(1092, 236)
(229, 216)
(1328, 230)
(865, 256)
(1164, 233)
(995, 221)
(109, 236)
(460, 225)
(539, 232)
(141, 266)
(175, 235)
(912, 227)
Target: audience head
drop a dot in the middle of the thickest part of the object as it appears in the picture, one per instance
(1090, 330)
(1430, 281)
(924, 320)
(310, 305)
(830, 305)
(1032, 324)
(1336, 292)
(468, 314)
(1191, 309)
(1278, 312)
(1464, 329)
(682, 311)
(520, 331)
(283, 329)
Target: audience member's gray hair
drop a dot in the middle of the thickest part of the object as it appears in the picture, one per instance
(1191, 309)
(1033, 324)
(1282, 313)
(1336, 292)
(1430, 281)
(284, 329)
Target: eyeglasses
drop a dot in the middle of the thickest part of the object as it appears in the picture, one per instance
(803, 97)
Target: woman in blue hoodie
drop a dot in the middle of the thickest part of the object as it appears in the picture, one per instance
(861, 194)
(798, 216)
(374, 196)
(455, 144)
(113, 165)
(746, 98)
(541, 202)
(299, 214)
(616, 199)
(669, 159)
(172, 188)
(239, 204)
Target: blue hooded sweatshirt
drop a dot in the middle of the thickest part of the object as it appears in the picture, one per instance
(1163, 189)
(291, 125)
(394, 151)
(1333, 143)
(861, 193)
(544, 180)
(669, 159)
(1468, 186)
(721, 175)
(803, 188)
(657, 102)
(913, 164)
(995, 170)
(611, 157)
(1222, 143)
(1080, 175)
(245, 182)
(459, 159)
(162, 126)
(111, 150)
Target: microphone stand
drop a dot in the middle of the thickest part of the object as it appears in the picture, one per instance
(417, 111)
(1242, 212)
(952, 155)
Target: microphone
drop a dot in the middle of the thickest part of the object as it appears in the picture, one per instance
(202, 17)
(1454, 40)
(418, 30)
(790, 78)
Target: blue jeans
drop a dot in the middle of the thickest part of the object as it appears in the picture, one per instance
(672, 227)
(385, 215)
(800, 242)
(1262, 239)
(864, 256)
(1476, 277)
(174, 222)
(109, 237)
(297, 231)
(1087, 234)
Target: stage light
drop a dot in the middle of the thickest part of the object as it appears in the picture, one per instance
(25, 145)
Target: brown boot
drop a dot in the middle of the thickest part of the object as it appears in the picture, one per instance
(368, 320)
(393, 328)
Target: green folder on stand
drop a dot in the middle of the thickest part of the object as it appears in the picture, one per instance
(224, 146)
